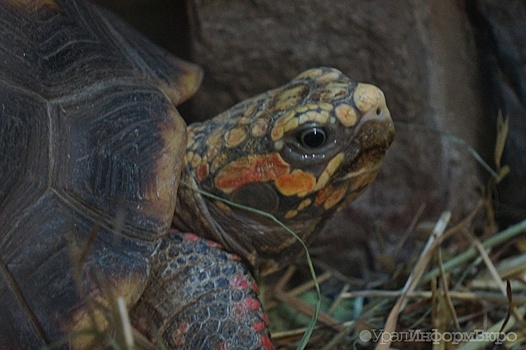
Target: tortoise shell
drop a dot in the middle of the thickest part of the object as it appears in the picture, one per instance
(91, 143)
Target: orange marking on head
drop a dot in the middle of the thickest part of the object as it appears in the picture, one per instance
(330, 196)
(297, 182)
(249, 169)
(202, 172)
(322, 195)
(335, 197)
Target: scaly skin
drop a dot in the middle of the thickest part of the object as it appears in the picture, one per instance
(201, 297)
(299, 152)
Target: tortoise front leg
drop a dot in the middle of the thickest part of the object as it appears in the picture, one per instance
(201, 297)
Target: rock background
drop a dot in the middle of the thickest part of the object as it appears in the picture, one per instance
(422, 54)
(500, 33)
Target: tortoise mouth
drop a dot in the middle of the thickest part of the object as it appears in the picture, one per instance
(367, 152)
(365, 165)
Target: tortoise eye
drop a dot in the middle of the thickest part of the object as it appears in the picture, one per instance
(312, 138)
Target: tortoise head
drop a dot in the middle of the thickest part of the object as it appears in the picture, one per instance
(298, 152)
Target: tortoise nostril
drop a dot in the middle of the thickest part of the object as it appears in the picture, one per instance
(378, 111)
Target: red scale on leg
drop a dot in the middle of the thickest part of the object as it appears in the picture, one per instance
(238, 282)
(252, 303)
(259, 326)
(267, 343)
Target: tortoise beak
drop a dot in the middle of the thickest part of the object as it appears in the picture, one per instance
(370, 100)
(374, 134)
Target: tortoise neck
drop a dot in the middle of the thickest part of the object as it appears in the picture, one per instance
(256, 239)
(191, 212)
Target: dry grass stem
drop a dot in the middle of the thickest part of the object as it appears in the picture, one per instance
(423, 260)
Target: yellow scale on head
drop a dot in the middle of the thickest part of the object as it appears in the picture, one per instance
(235, 136)
(346, 114)
(289, 98)
(259, 127)
(329, 170)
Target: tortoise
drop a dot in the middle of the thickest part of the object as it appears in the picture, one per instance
(99, 174)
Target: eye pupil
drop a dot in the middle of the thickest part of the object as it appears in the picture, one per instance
(313, 138)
